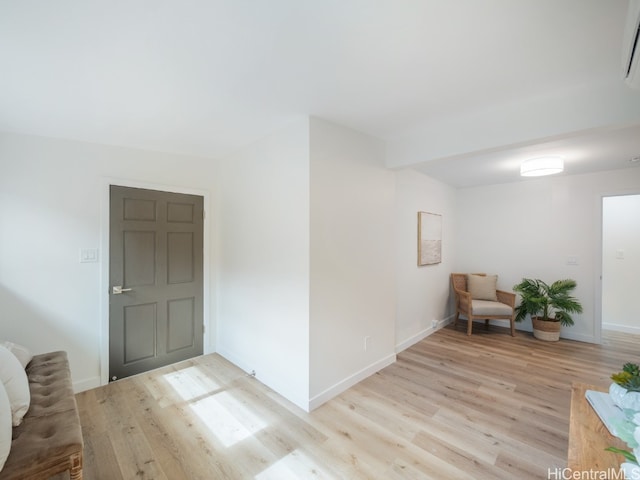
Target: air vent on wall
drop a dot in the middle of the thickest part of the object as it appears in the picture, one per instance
(631, 46)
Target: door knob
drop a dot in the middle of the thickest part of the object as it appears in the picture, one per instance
(117, 289)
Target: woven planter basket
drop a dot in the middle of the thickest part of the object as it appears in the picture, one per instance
(547, 331)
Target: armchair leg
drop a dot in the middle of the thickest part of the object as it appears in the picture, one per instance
(469, 325)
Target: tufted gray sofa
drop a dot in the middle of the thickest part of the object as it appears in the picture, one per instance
(49, 439)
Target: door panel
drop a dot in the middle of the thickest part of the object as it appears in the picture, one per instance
(181, 324)
(156, 241)
(180, 257)
(139, 251)
(140, 323)
(139, 209)
(179, 212)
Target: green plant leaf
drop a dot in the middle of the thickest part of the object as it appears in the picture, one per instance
(629, 377)
(631, 368)
(628, 455)
(550, 302)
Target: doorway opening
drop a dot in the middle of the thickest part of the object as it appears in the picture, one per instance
(620, 262)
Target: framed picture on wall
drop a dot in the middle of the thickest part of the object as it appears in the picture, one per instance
(429, 238)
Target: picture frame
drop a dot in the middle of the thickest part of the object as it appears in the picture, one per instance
(429, 238)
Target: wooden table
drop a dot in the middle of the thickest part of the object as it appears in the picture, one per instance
(588, 437)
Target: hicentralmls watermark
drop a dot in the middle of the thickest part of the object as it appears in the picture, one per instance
(568, 474)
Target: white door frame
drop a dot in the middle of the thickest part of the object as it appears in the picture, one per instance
(104, 263)
(597, 334)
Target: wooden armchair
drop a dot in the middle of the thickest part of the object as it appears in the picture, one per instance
(480, 302)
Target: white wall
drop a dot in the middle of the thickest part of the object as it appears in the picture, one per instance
(531, 228)
(352, 265)
(423, 292)
(595, 104)
(51, 196)
(316, 249)
(620, 262)
(306, 260)
(263, 231)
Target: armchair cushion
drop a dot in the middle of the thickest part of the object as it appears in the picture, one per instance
(482, 287)
(489, 308)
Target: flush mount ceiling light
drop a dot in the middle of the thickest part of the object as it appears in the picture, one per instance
(536, 167)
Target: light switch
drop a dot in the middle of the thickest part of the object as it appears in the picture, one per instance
(620, 254)
(572, 260)
(88, 255)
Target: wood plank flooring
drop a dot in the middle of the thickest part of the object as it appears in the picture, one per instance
(488, 406)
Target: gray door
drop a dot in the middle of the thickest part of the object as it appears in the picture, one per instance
(156, 279)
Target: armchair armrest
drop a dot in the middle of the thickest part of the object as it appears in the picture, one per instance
(508, 298)
(463, 299)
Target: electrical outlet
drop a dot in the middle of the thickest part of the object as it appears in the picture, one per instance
(367, 339)
(434, 323)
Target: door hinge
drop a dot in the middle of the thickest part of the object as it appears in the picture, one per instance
(204, 214)
(203, 328)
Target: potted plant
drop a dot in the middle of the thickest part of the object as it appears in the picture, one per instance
(625, 393)
(550, 306)
(625, 389)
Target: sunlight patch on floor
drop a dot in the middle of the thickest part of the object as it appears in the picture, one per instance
(229, 420)
(189, 383)
(294, 466)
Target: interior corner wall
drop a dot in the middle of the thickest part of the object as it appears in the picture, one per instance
(352, 305)
(263, 266)
(50, 208)
(422, 292)
(533, 228)
(620, 262)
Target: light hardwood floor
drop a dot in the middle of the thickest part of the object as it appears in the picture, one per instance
(488, 406)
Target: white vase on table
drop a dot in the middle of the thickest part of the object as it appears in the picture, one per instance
(631, 470)
(624, 398)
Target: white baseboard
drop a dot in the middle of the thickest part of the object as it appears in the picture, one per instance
(579, 337)
(265, 379)
(349, 382)
(412, 340)
(235, 360)
(330, 392)
(526, 327)
(86, 384)
(620, 328)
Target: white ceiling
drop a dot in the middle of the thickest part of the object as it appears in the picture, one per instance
(585, 152)
(206, 77)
